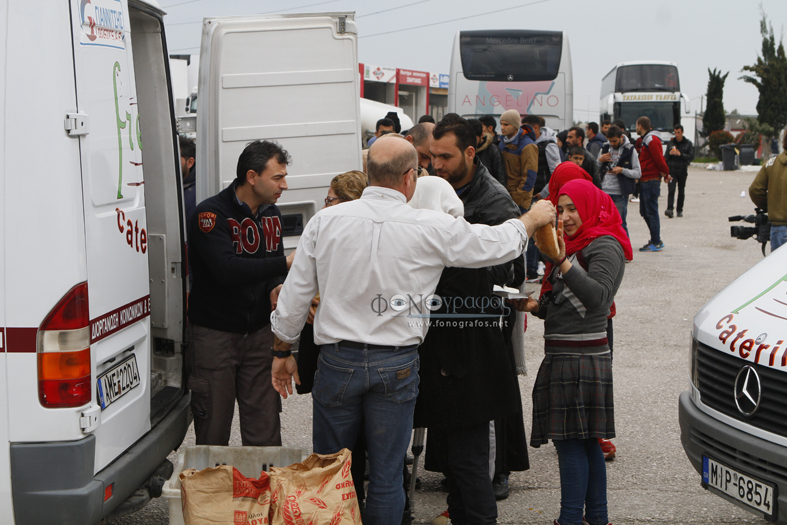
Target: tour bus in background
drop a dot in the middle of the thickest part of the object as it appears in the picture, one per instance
(646, 89)
(496, 70)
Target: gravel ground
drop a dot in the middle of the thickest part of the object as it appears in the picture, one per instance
(651, 481)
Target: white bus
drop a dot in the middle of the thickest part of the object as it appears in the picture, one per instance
(497, 70)
(646, 89)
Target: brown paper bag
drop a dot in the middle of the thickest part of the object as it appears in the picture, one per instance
(319, 491)
(224, 496)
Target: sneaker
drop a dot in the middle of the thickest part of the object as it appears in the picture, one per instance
(652, 248)
(668, 213)
(634, 199)
(442, 519)
(541, 268)
(608, 448)
(500, 486)
(533, 278)
(585, 522)
(680, 214)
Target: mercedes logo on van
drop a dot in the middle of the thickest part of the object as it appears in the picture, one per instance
(510, 77)
(748, 390)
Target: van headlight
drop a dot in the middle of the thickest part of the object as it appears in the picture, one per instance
(693, 356)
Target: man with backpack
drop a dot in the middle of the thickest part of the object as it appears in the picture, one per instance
(620, 169)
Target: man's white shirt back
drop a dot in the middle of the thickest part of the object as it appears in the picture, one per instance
(362, 254)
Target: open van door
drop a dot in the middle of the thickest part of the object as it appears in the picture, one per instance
(289, 78)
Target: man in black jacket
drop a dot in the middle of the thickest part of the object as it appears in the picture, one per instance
(237, 259)
(488, 153)
(467, 378)
(680, 153)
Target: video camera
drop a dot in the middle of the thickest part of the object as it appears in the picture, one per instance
(760, 231)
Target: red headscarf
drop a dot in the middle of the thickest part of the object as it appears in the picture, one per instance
(565, 172)
(599, 217)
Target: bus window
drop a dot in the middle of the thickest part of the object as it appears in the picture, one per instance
(523, 56)
(647, 77)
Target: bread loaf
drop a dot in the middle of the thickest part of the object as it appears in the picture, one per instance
(546, 240)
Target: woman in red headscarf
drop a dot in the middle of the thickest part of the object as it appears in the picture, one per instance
(572, 396)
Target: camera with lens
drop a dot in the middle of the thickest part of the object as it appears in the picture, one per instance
(761, 230)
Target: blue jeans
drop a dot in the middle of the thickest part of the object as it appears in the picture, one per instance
(583, 481)
(378, 387)
(649, 208)
(778, 236)
(622, 204)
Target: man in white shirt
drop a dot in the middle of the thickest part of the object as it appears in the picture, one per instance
(376, 263)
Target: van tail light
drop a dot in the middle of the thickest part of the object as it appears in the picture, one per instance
(64, 352)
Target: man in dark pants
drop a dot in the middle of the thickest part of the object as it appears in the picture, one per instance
(680, 153)
(238, 264)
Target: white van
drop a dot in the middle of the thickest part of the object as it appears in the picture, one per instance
(92, 249)
(733, 418)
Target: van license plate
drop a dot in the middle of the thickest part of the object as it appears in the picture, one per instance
(117, 382)
(739, 486)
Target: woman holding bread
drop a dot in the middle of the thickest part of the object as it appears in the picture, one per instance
(572, 396)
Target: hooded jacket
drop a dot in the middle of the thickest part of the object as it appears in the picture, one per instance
(520, 157)
(594, 145)
(769, 189)
(489, 154)
(651, 156)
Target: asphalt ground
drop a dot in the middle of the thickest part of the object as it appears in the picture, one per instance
(650, 481)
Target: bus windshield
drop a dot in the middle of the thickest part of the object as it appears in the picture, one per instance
(523, 56)
(663, 115)
(647, 77)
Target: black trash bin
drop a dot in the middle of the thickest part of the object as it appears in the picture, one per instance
(729, 157)
(746, 155)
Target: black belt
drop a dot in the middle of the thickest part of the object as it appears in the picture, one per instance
(353, 344)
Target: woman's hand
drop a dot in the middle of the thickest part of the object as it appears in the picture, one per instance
(313, 309)
(561, 243)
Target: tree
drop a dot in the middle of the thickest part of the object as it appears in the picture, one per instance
(714, 117)
(769, 76)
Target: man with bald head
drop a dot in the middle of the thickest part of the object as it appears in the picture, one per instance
(420, 136)
(376, 263)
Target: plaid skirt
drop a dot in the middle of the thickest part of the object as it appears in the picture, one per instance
(572, 398)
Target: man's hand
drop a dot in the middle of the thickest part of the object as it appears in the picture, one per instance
(542, 212)
(284, 369)
(616, 170)
(275, 297)
(290, 258)
(667, 177)
(606, 157)
(674, 151)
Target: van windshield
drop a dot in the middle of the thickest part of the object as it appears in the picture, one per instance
(523, 56)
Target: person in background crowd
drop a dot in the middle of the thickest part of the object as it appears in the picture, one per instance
(458, 364)
(654, 168)
(768, 191)
(487, 153)
(595, 139)
(576, 137)
(369, 361)
(490, 128)
(384, 125)
(680, 153)
(520, 156)
(605, 124)
(562, 144)
(420, 136)
(573, 392)
(548, 159)
(188, 151)
(576, 154)
(622, 125)
(236, 280)
(426, 119)
(620, 170)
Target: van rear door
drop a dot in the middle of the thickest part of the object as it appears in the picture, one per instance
(115, 225)
(289, 78)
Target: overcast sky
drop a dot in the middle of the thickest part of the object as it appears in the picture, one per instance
(695, 34)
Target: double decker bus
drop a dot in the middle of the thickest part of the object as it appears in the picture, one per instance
(493, 71)
(645, 89)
